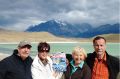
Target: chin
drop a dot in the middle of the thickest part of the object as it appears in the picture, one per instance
(78, 62)
(44, 58)
(100, 53)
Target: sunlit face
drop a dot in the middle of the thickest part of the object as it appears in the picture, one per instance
(43, 55)
(78, 57)
(24, 52)
(100, 47)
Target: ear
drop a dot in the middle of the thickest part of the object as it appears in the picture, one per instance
(18, 48)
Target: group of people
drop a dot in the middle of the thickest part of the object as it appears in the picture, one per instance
(80, 65)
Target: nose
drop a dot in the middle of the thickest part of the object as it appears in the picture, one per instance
(44, 52)
(100, 47)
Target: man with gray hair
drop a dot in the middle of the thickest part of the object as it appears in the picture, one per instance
(18, 65)
(102, 64)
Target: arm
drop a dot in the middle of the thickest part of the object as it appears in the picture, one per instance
(58, 75)
(3, 69)
(35, 73)
(87, 72)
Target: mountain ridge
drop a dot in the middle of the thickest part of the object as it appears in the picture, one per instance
(64, 29)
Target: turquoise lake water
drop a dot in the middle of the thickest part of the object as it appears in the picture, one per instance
(112, 48)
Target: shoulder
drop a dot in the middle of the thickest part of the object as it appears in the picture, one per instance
(6, 62)
(7, 59)
(86, 71)
(113, 63)
(85, 66)
(90, 57)
(35, 60)
(113, 59)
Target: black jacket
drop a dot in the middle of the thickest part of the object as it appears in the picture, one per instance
(112, 63)
(84, 73)
(13, 67)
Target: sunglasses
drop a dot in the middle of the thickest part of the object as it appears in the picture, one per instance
(44, 50)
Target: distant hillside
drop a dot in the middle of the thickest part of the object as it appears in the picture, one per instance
(3, 30)
(65, 29)
(10, 36)
(104, 29)
(31, 36)
(112, 37)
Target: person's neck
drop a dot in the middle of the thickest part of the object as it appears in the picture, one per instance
(100, 56)
(76, 64)
(45, 61)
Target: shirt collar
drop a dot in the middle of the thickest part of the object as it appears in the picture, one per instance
(103, 59)
(80, 65)
(74, 68)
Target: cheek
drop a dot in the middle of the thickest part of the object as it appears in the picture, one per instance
(82, 58)
(104, 48)
(43, 55)
(75, 57)
(28, 50)
(21, 52)
(95, 47)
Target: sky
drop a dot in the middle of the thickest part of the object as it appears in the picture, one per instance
(20, 14)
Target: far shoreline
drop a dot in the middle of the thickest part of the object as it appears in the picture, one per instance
(52, 42)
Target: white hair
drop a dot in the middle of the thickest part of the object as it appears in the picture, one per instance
(78, 49)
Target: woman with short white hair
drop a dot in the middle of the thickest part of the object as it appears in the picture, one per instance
(78, 69)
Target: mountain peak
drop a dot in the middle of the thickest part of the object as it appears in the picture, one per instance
(84, 30)
(61, 23)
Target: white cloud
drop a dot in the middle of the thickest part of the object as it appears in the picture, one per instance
(23, 13)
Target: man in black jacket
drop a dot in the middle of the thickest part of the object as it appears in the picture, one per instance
(103, 65)
(18, 65)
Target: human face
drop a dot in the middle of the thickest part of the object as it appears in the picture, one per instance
(78, 57)
(43, 55)
(24, 52)
(100, 47)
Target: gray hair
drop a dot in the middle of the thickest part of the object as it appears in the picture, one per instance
(78, 49)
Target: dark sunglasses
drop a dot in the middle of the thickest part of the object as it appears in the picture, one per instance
(44, 50)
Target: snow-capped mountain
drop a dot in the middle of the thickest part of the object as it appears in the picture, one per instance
(65, 29)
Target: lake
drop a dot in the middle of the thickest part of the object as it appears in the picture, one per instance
(112, 48)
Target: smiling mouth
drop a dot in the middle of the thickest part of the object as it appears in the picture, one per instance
(99, 51)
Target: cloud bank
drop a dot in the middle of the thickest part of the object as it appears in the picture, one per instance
(20, 14)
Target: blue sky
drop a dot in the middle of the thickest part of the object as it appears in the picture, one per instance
(20, 14)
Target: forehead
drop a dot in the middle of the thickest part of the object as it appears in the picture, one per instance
(100, 41)
(78, 53)
(44, 48)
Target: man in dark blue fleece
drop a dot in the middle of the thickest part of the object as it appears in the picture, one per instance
(18, 65)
